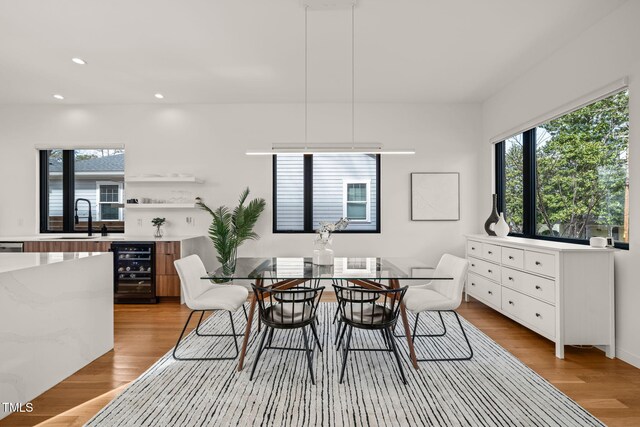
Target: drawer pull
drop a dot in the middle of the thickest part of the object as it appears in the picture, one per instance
(473, 284)
(538, 315)
(473, 248)
(490, 292)
(473, 265)
(511, 278)
(538, 287)
(510, 257)
(538, 263)
(490, 253)
(511, 302)
(489, 271)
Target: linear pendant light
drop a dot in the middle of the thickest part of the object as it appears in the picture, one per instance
(352, 147)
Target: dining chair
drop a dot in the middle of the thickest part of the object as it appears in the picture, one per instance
(200, 295)
(440, 296)
(369, 309)
(288, 309)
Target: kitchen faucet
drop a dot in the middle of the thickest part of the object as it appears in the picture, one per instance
(90, 220)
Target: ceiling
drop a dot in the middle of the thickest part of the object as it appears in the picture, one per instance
(252, 51)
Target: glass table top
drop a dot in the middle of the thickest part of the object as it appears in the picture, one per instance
(282, 268)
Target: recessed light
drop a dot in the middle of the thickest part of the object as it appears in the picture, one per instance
(159, 95)
(79, 61)
(58, 96)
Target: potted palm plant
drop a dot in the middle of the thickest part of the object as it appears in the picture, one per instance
(230, 229)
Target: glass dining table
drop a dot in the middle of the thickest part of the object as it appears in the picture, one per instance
(366, 272)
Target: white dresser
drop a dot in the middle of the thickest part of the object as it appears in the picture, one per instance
(563, 291)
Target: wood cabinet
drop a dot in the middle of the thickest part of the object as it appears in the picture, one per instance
(67, 246)
(167, 280)
(564, 292)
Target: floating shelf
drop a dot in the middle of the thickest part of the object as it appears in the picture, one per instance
(166, 179)
(160, 206)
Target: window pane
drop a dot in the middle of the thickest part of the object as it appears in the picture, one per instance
(109, 193)
(330, 171)
(97, 174)
(54, 191)
(108, 212)
(513, 188)
(582, 185)
(290, 193)
(356, 192)
(357, 211)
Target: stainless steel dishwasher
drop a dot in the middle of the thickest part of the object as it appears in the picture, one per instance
(11, 246)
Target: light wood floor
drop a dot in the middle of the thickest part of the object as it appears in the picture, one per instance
(609, 389)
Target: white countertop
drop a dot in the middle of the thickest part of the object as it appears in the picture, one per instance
(536, 243)
(20, 261)
(98, 238)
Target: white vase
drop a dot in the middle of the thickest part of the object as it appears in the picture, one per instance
(501, 228)
(322, 254)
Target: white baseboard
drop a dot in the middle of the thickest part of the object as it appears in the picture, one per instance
(630, 358)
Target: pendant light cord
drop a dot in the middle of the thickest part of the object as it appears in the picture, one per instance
(306, 77)
(353, 77)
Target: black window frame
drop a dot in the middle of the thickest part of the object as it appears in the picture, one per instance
(529, 193)
(68, 195)
(308, 199)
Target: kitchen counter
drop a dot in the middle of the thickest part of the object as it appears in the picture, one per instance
(56, 316)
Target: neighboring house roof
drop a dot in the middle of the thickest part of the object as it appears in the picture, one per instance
(113, 163)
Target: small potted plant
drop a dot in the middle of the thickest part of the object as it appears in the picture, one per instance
(158, 223)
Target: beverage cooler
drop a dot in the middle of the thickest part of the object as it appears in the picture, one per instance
(134, 272)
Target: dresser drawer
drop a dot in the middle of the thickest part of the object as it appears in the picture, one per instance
(513, 257)
(540, 263)
(539, 287)
(484, 290)
(474, 248)
(491, 252)
(484, 268)
(529, 284)
(536, 314)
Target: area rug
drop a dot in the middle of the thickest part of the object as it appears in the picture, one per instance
(493, 389)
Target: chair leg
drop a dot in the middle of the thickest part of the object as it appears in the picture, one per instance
(395, 352)
(260, 349)
(415, 328)
(233, 334)
(270, 340)
(453, 359)
(308, 352)
(345, 352)
(344, 329)
(244, 309)
(315, 335)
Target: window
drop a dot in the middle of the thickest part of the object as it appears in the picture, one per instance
(567, 179)
(109, 197)
(97, 176)
(309, 189)
(356, 200)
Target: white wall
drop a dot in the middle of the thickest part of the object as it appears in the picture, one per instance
(606, 52)
(210, 141)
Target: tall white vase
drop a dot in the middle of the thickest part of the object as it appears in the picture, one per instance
(501, 228)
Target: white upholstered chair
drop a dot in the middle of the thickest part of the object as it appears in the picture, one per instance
(200, 295)
(440, 296)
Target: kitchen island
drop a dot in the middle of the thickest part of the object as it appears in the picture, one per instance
(56, 316)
